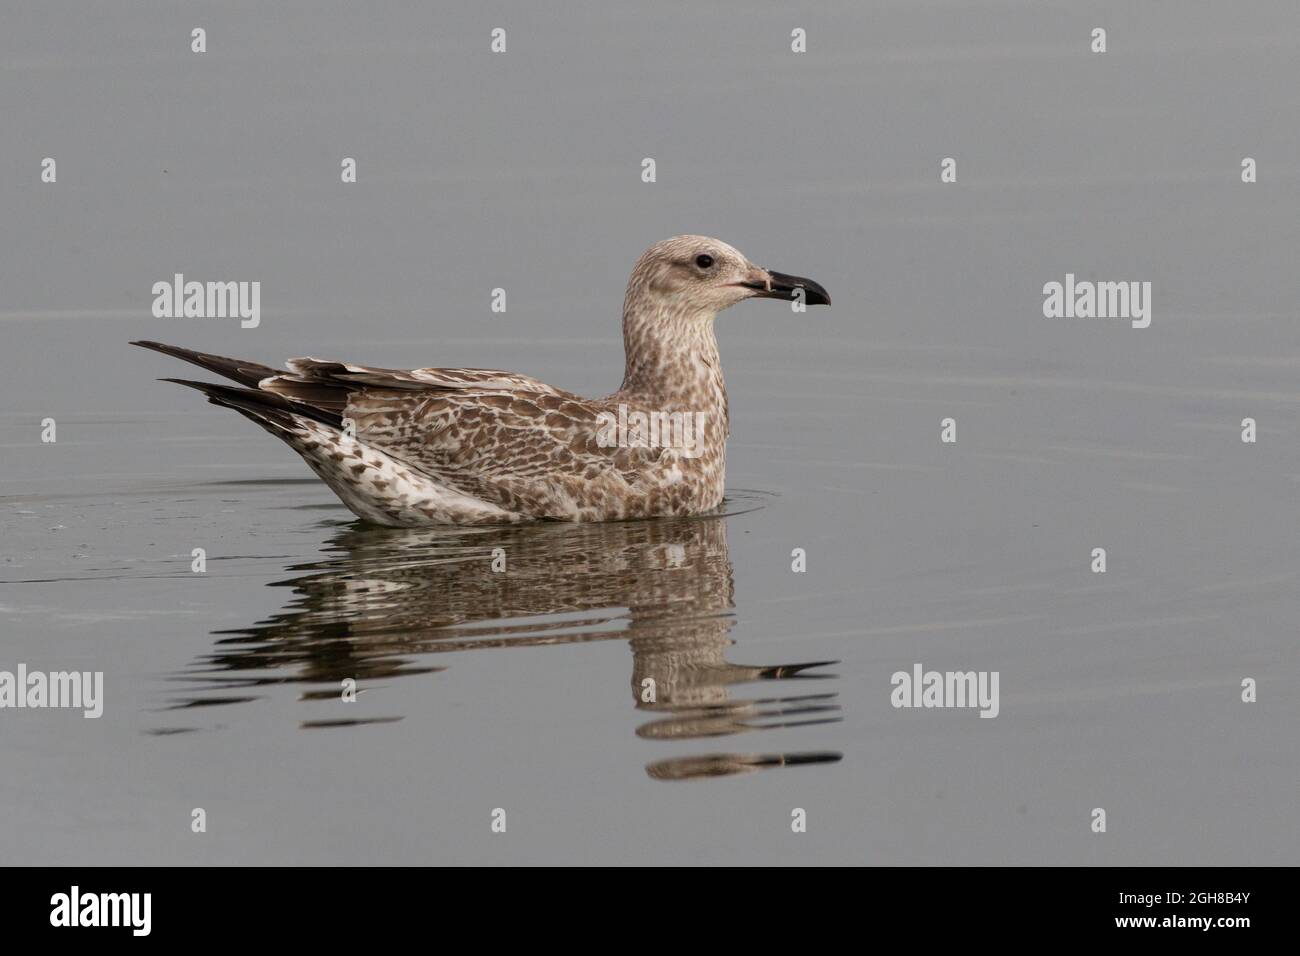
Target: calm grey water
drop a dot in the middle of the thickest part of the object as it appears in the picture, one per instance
(520, 690)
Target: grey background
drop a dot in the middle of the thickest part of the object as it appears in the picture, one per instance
(522, 171)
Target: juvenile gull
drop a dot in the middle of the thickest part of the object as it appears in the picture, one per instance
(471, 446)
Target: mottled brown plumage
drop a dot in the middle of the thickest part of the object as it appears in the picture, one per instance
(479, 446)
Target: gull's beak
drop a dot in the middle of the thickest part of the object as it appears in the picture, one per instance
(777, 285)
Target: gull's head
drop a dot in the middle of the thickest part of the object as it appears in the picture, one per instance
(698, 276)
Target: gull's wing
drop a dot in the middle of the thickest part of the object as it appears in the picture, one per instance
(501, 437)
(498, 436)
(345, 374)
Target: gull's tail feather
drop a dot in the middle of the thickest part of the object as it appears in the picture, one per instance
(240, 370)
(373, 484)
(264, 388)
(308, 415)
(262, 407)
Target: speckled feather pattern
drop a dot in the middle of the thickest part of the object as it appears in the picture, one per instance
(480, 446)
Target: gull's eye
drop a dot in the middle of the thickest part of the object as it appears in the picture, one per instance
(704, 261)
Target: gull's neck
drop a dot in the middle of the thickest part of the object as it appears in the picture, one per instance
(672, 359)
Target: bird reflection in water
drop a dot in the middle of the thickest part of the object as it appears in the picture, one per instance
(387, 600)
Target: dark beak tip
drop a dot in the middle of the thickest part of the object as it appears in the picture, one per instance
(813, 294)
(784, 286)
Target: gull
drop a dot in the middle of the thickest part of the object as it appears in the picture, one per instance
(468, 446)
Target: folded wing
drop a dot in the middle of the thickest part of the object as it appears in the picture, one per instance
(499, 436)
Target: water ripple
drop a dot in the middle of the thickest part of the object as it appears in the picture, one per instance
(386, 601)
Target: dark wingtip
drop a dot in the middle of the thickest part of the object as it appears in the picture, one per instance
(781, 671)
(816, 756)
(207, 387)
(162, 347)
(263, 404)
